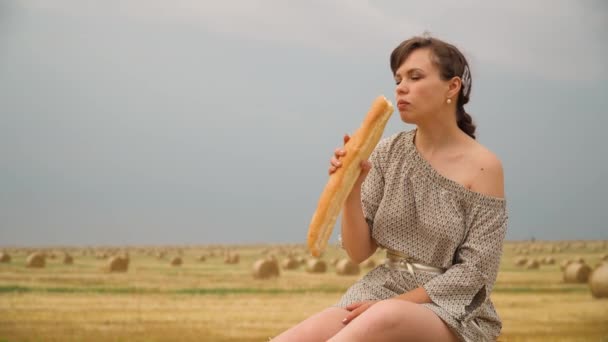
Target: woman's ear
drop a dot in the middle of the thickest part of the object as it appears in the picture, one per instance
(454, 86)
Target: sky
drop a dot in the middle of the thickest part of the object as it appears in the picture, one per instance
(202, 122)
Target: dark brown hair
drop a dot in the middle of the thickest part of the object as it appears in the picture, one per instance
(450, 62)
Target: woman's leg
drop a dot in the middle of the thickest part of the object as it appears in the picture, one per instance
(396, 320)
(318, 327)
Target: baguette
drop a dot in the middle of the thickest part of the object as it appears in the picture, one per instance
(341, 182)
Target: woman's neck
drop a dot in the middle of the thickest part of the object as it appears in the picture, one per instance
(436, 137)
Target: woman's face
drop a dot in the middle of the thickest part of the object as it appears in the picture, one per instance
(420, 92)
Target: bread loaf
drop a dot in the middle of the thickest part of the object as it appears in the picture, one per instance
(341, 182)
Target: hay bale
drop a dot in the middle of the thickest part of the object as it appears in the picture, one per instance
(521, 261)
(117, 264)
(67, 259)
(604, 257)
(314, 265)
(549, 260)
(334, 261)
(290, 263)
(301, 260)
(369, 263)
(35, 260)
(577, 272)
(532, 264)
(265, 268)
(598, 282)
(565, 264)
(347, 267)
(5, 257)
(176, 261)
(231, 258)
(201, 258)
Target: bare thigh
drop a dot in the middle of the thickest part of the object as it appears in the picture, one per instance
(318, 327)
(396, 320)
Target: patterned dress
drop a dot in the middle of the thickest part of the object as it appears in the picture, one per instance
(412, 209)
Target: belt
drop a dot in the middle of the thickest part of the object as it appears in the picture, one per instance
(403, 262)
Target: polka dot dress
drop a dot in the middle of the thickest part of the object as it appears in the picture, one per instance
(413, 209)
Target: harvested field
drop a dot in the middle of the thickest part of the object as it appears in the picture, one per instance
(214, 301)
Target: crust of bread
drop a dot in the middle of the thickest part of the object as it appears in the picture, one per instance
(341, 182)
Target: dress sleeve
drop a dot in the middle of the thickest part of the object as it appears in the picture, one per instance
(372, 188)
(466, 285)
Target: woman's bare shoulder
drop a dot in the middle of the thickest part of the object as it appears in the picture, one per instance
(489, 178)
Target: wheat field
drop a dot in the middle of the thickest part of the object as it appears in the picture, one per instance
(213, 301)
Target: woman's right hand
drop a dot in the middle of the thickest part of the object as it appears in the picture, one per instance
(335, 162)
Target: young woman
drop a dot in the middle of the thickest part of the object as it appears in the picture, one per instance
(433, 197)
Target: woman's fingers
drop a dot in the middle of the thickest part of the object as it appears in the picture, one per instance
(346, 138)
(335, 162)
(339, 152)
(353, 306)
(366, 165)
(356, 312)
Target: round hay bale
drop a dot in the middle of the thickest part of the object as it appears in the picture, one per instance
(334, 261)
(521, 261)
(369, 263)
(290, 263)
(301, 260)
(5, 257)
(316, 266)
(176, 261)
(577, 272)
(231, 258)
(598, 282)
(580, 259)
(67, 259)
(532, 264)
(201, 258)
(564, 264)
(347, 267)
(604, 257)
(35, 260)
(549, 260)
(265, 268)
(117, 264)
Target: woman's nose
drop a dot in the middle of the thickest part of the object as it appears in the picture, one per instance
(402, 88)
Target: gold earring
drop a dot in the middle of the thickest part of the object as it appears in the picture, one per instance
(449, 101)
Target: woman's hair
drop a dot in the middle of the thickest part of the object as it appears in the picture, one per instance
(450, 62)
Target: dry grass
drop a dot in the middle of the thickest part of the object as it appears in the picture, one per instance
(212, 301)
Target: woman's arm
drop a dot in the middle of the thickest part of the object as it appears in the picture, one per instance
(356, 235)
(417, 295)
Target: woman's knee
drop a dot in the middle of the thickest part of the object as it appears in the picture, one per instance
(318, 327)
(387, 313)
(398, 319)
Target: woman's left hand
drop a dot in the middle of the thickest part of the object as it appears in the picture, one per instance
(356, 309)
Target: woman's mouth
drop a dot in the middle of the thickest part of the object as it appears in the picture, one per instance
(402, 104)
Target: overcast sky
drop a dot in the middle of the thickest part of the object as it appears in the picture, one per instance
(197, 122)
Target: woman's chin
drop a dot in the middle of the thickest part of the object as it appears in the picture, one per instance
(407, 117)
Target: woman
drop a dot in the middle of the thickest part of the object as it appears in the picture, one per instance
(433, 197)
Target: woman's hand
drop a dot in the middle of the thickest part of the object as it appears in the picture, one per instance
(356, 309)
(335, 162)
